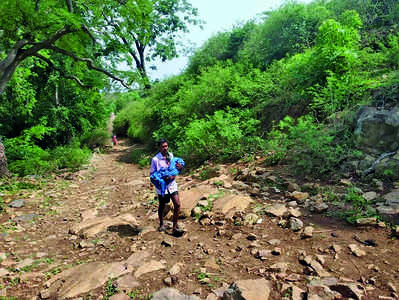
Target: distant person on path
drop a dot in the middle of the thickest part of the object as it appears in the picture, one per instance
(114, 141)
(163, 172)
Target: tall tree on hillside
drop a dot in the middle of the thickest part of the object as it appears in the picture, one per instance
(80, 32)
(141, 40)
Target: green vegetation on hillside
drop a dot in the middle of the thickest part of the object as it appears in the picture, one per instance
(287, 87)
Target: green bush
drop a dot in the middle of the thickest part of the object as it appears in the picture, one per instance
(224, 136)
(98, 138)
(26, 158)
(308, 146)
(286, 31)
(141, 157)
(70, 156)
(130, 121)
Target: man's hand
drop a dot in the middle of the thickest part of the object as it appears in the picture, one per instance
(170, 178)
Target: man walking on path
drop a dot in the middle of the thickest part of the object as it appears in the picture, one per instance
(162, 161)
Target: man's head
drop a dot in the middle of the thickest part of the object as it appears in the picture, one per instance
(163, 146)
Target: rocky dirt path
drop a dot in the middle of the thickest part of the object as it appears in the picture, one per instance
(92, 235)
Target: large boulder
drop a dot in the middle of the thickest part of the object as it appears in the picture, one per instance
(378, 130)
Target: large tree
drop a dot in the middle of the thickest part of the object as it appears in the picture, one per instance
(152, 36)
(74, 37)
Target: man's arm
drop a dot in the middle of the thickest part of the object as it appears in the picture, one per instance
(153, 167)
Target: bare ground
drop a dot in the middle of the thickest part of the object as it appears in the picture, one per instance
(213, 253)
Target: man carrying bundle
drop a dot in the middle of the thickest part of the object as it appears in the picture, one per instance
(163, 172)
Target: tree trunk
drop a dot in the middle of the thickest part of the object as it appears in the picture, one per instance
(3, 162)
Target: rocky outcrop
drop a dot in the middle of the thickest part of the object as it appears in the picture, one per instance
(378, 130)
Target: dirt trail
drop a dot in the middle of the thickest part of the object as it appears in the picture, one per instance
(214, 252)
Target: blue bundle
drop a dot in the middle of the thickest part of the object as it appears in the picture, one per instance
(158, 178)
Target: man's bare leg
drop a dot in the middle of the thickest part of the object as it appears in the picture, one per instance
(161, 209)
(176, 211)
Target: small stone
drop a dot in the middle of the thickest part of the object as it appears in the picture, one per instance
(336, 248)
(300, 197)
(263, 253)
(253, 245)
(296, 224)
(370, 196)
(203, 203)
(292, 187)
(168, 281)
(196, 211)
(373, 268)
(320, 259)
(167, 243)
(276, 251)
(251, 219)
(45, 294)
(17, 203)
(366, 221)
(392, 287)
(85, 244)
(356, 250)
(307, 232)
(175, 269)
(274, 242)
(251, 237)
(319, 207)
(278, 267)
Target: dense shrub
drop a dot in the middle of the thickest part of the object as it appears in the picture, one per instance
(98, 138)
(26, 158)
(309, 147)
(224, 136)
(70, 156)
(286, 31)
(220, 48)
(131, 121)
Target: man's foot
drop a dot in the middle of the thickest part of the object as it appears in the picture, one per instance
(161, 228)
(177, 232)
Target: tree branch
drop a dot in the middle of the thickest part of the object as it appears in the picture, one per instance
(37, 6)
(51, 64)
(88, 62)
(69, 5)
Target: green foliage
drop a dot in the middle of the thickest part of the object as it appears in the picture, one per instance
(98, 138)
(219, 48)
(2, 206)
(356, 199)
(141, 157)
(119, 101)
(146, 31)
(26, 158)
(130, 121)
(288, 30)
(137, 295)
(360, 207)
(110, 289)
(71, 156)
(224, 136)
(308, 146)
(339, 93)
